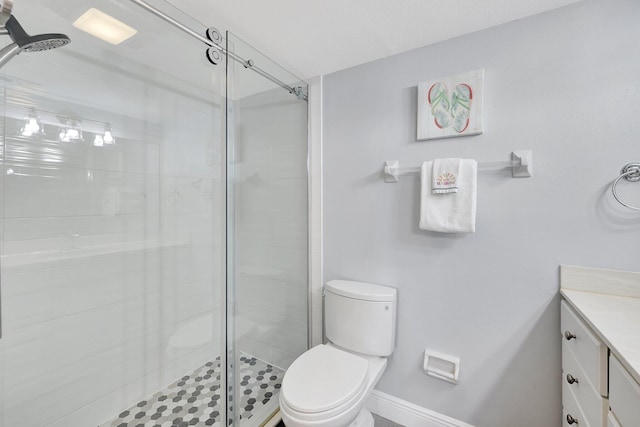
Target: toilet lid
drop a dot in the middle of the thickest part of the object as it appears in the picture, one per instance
(322, 379)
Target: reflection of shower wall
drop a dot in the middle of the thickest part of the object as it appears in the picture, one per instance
(271, 223)
(110, 258)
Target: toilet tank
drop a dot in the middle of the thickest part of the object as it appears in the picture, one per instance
(360, 317)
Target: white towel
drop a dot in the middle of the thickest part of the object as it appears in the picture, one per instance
(444, 178)
(449, 213)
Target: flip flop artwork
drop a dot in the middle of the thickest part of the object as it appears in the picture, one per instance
(450, 106)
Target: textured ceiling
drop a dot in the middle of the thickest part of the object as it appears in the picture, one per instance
(319, 37)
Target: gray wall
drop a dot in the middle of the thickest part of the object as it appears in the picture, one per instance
(564, 84)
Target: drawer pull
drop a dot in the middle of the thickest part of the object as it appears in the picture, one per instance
(571, 420)
(571, 379)
(569, 335)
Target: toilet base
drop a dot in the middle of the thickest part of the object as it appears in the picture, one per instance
(364, 419)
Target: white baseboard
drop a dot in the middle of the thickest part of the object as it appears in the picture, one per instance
(408, 414)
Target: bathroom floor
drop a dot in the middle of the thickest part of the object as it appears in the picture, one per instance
(195, 398)
(378, 421)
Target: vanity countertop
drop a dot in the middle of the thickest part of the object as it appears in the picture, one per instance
(616, 321)
(609, 302)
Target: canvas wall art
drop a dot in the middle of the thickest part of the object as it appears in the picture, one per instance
(450, 106)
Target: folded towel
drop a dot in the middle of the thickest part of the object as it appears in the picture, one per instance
(445, 176)
(449, 213)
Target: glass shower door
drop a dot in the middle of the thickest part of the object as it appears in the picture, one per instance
(112, 216)
(267, 231)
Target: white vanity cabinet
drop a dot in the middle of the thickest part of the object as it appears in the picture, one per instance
(600, 321)
(597, 390)
(584, 372)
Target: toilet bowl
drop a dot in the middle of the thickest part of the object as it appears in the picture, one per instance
(328, 385)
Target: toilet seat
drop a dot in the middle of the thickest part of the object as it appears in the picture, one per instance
(338, 380)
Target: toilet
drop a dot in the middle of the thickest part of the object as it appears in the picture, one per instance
(328, 385)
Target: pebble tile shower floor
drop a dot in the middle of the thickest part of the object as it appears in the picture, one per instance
(194, 400)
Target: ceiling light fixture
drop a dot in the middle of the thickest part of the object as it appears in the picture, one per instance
(103, 26)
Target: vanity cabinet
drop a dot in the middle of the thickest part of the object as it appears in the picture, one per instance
(597, 390)
(584, 372)
(624, 395)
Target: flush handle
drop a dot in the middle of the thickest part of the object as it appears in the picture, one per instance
(571, 420)
(569, 335)
(571, 379)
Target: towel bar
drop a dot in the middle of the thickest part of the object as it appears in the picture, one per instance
(630, 172)
(521, 165)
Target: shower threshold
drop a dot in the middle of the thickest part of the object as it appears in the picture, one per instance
(194, 399)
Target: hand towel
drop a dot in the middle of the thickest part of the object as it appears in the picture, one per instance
(449, 213)
(445, 176)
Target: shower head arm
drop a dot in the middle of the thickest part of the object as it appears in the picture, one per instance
(8, 52)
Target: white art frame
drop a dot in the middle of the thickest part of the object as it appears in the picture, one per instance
(450, 106)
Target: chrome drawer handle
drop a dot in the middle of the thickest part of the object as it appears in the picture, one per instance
(571, 420)
(569, 335)
(571, 379)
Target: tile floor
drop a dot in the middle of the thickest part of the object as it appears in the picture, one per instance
(193, 400)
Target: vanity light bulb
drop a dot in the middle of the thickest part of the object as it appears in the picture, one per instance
(32, 126)
(73, 134)
(108, 137)
(98, 141)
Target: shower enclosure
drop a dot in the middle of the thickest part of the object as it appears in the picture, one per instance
(153, 232)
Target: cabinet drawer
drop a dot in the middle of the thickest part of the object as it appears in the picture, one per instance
(590, 353)
(571, 409)
(594, 407)
(611, 421)
(624, 395)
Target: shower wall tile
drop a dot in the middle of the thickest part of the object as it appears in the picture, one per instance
(74, 192)
(269, 325)
(289, 195)
(53, 301)
(256, 227)
(128, 156)
(282, 298)
(64, 341)
(289, 161)
(23, 229)
(283, 229)
(290, 230)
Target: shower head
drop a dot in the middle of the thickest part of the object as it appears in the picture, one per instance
(24, 42)
(43, 42)
(33, 43)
